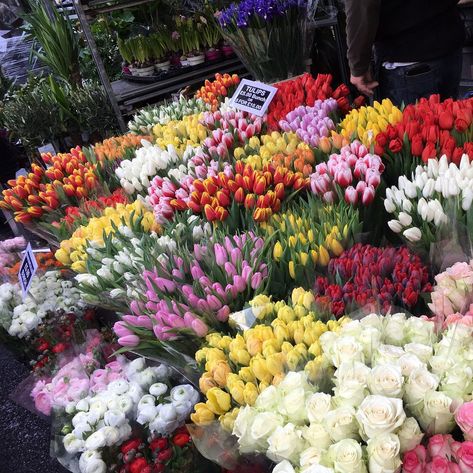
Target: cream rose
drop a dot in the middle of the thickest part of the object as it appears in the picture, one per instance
(437, 415)
(317, 406)
(316, 436)
(310, 456)
(341, 424)
(262, 427)
(387, 354)
(285, 443)
(409, 434)
(384, 454)
(408, 363)
(386, 380)
(423, 352)
(380, 415)
(347, 457)
(394, 328)
(292, 406)
(284, 467)
(420, 382)
(345, 348)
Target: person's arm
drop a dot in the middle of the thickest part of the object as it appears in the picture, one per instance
(362, 25)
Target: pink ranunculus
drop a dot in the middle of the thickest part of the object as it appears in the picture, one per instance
(43, 402)
(414, 460)
(464, 419)
(465, 457)
(439, 446)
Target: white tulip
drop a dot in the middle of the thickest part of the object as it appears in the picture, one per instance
(413, 234)
(395, 226)
(405, 219)
(389, 206)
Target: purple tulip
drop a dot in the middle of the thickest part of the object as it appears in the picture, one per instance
(256, 280)
(196, 271)
(236, 256)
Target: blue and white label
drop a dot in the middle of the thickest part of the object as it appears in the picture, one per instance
(27, 270)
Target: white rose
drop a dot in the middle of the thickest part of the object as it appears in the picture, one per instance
(408, 363)
(95, 441)
(341, 424)
(284, 467)
(316, 469)
(292, 406)
(158, 389)
(386, 380)
(409, 434)
(268, 399)
(458, 382)
(420, 382)
(373, 320)
(293, 380)
(394, 329)
(383, 454)
(316, 436)
(111, 435)
(114, 418)
(118, 386)
(347, 457)
(350, 381)
(72, 444)
(423, 352)
(387, 354)
(437, 415)
(380, 415)
(310, 456)
(370, 339)
(420, 331)
(285, 444)
(241, 428)
(317, 405)
(262, 427)
(346, 349)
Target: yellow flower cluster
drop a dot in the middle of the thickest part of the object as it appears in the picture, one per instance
(309, 235)
(238, 369)
(181, 133)
(73, 252)
(260, 151)
(366, 122)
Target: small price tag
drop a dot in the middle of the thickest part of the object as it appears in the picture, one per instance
(21, 172)
(253, 97)
(27, 270)
(47, 148)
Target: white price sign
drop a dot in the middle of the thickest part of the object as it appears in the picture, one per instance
(27, 270)
(253, 97)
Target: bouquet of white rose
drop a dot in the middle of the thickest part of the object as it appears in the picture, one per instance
(393, 380)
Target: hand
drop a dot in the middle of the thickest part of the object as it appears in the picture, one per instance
(365, 83)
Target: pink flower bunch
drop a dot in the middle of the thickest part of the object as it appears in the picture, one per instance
(7, 250)
(442, 455)
(197, 291)
(229, 129)
(453, 293)
(311, 123)
(102, 377)
(464, 419)
(354, 175)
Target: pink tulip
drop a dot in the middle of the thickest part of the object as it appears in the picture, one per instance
(129, 341)
(351, 196)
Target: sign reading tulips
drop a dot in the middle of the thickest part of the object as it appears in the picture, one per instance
(27, 270)
(253, 97)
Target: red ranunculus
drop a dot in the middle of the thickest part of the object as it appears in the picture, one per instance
(59, 347)
(159, 467)
(158, 444)
(181, 439)
(138, 465)
(129, 445)
(164, 455)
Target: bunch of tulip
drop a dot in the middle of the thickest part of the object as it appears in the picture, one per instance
(353, 175)
(305, 90)
(302, 161)
(229, 130)
(437, 197)
(72, 252)
(442, 453)
(311, 123)
(147, 118)
(261, 150)
(135, 174)
(239, 368)
(118, 147)
(372, 278)
(36, 197)
(365, 123)
(308, 235)
(214, 92)
(258, 191)
(180, 133)
(428, 129)
(194, 291)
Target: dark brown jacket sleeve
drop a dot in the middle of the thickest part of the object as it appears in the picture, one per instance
(362, 25)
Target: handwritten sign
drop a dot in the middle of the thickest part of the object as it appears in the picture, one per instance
(27, 270)
(253, 97)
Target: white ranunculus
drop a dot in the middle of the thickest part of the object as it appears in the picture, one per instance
(95, 465)
(437, 415)
(262, 427)
(125, 404)
(409, 434)
(87, 457)
(72, 444)
(419, 383)
(408, 363)
(135, 393)
(114, 418)
(95, 441)
(347, 457)
(82, 405)
(158, 389)
(118, 386)
(285, 443)
(184, 394)
(284, 467)
(79, 418)
(167, 412)
(146, 414)
(384, 454)
(98, 405)
(341, 423)
(317, 405)
(111, 434)
(138, 364)
(386, 380)
(380, 415)
(144, 378)
(316, 436)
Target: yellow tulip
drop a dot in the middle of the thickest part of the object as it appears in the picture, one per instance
(236, 391)
(206, 382)
(304, 257)
(275, 363)
(324, 257)
(240, 356)
(277, 251)
(218, 401)
(247, 375)
(250, 393)
(292, 271)
(220, 372)
(202, 415)
(227, 421)
(258, 365)
(336, 247)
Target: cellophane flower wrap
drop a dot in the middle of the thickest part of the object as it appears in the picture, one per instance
(260, 31)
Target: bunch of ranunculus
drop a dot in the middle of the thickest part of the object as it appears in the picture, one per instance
(441, 455)
(136, 174)
(48, 293)
(372, 278)
(311, 123)
(193, 291)
(147, 118)
(427, 206)
(103, 420)
(9, 252)
(392, 381)
(283, 337)
(354, 175)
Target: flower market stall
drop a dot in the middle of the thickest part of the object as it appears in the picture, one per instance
(226, 291)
